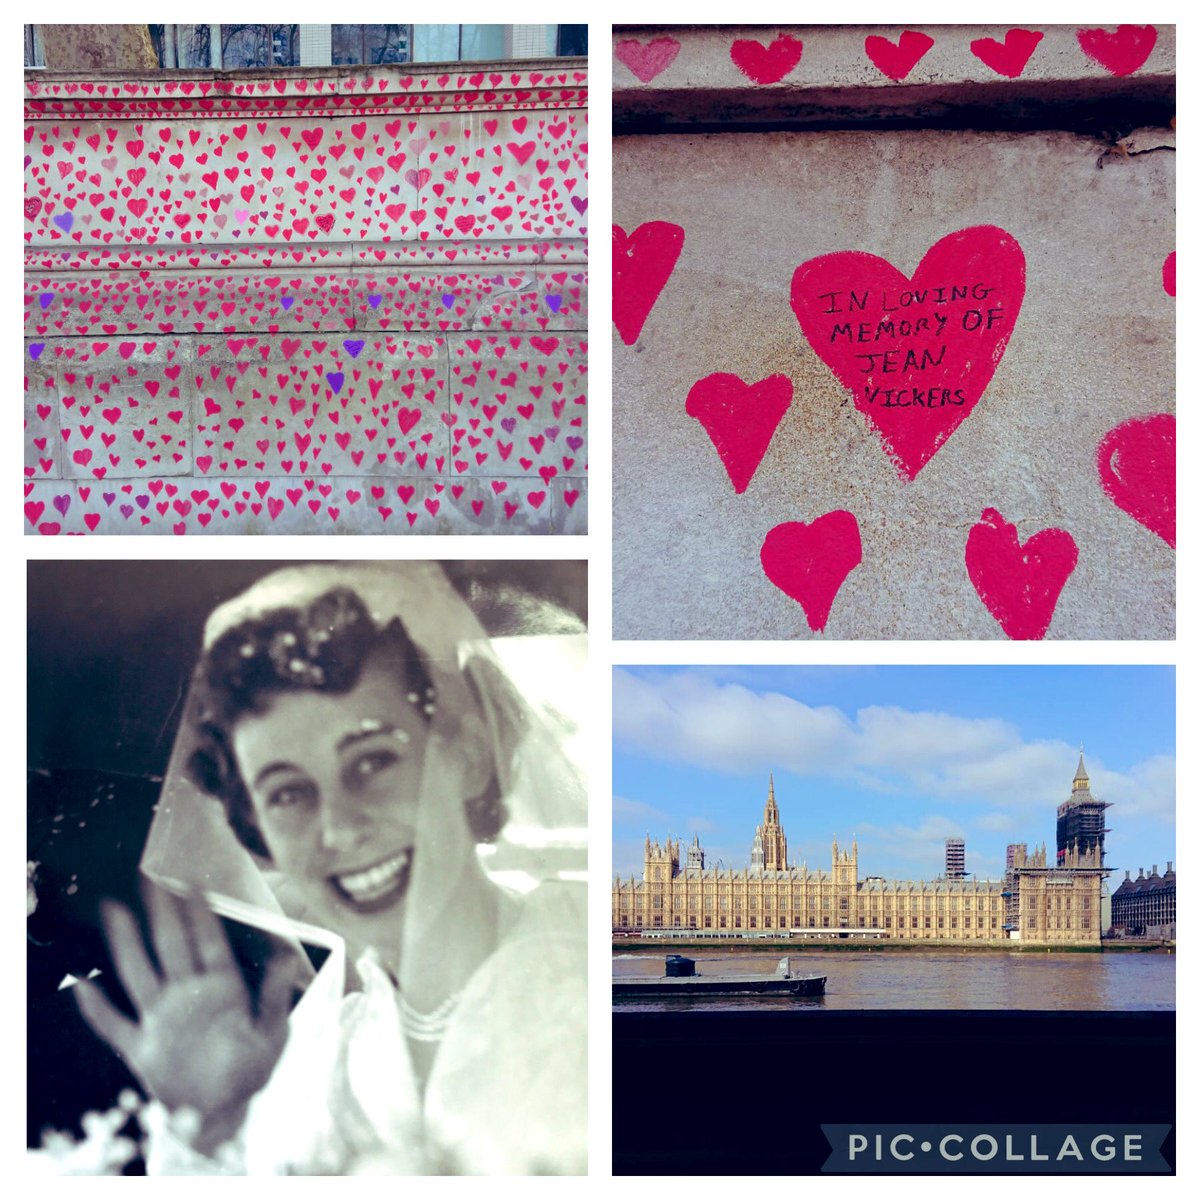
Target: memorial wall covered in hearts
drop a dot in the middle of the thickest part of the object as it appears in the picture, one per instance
(313, 301)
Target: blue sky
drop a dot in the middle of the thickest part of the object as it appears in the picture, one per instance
(901, 757)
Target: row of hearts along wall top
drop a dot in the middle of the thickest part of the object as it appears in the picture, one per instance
(307, 301)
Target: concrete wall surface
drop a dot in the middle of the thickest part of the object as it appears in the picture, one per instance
(307, 301)
(892, 383)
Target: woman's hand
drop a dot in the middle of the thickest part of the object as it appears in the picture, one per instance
(197, 1042)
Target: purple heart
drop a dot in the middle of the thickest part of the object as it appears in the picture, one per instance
(448, 300)
(109, 497)
(142, 500)
(62, 503)
(354, 349)
(552, 433)
(286, 301)
(335, 380)
(374, 301)
(35, 350)
(580, 205)
(574, 441)
(28, 159)
(554, 303)
(508, 424)
(45, 300)
(127, 511)
(64, 221)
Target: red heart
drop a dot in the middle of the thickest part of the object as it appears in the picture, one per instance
(896, 59)
(766, 64)
(642, 263)
(741, 419)
(1119, 53)
(811, 561)
(917, 355)
(1136, 461)
(1168, 274)
(1010, 57)
(1019, 584)
(647, 61)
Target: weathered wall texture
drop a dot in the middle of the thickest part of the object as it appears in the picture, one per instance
(309, 302)
(924, 490)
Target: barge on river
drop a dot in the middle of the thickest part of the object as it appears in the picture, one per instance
(681, 979)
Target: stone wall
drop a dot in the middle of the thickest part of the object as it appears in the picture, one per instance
(894, 346)
(307, 301)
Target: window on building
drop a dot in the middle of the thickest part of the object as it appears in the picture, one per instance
(33, 47)
(350, 45)
(242, 47)
(572, 41)
(753, 922)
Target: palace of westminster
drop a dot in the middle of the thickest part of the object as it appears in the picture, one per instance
(1035, 902)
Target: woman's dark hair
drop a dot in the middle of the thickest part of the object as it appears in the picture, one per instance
(322, 647)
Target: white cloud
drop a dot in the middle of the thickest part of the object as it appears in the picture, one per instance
(636, 812)
(725, 726)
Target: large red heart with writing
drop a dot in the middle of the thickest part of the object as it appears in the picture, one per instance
(766, 64)
(1119, 53)
(642, 263)
(810, 561)
(1019, 582)
(915, 353)
(1136, 461)
(741, 419)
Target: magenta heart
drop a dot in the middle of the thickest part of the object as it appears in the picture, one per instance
(916, 354)
(1136, 461)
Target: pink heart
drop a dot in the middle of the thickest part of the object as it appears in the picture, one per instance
(896, 59)
(916, 354)
(1010, 57)
(1019, 582)
(1136, 461)
(642, 263)
(741, 418)
(1119, 53)
(649, 60)
(810, 562)
(766, 64)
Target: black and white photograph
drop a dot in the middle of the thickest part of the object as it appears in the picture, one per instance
(306, 868)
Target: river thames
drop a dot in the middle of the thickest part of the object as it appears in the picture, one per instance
(935, 979)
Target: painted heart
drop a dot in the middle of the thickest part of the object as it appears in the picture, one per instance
(649, 60)
(1168, 274)
(1119, 53)
(1136, 461)
(916, 354)
(1019, 583)
(1010, 57)
(810, 562)
(740, 418)
(642, 263)
(767, 64)
(896, 59)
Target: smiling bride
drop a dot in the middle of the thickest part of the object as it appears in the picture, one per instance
(358, 777)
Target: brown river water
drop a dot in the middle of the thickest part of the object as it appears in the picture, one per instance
(941, 979)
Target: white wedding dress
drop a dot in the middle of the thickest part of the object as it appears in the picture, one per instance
(507, 1092)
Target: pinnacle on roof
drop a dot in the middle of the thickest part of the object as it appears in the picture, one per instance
(1081, 775)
